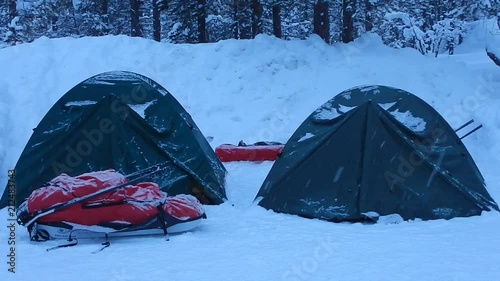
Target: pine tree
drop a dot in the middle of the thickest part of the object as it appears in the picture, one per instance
(37, 20)
(182, 22)
(93, 18)
(219, 21)
(242, 19)
(8, 31)
(300, 18)
(66, 24)
(119, 17)
(271, 17)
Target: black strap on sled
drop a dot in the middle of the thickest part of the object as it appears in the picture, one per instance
(132, 179)
(72, 242)
(161, 219)
(104, 244)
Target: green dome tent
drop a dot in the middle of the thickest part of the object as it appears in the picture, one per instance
(373, 151)
(127, 122)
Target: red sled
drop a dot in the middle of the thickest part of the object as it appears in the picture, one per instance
(257, 152)
(137, 208)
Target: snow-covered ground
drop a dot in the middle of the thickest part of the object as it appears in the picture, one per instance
(253, 90)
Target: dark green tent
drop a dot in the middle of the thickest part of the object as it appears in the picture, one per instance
(124, 121)
(373, 151)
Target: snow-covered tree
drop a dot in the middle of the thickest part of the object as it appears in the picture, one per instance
(14, 34)
(119, 17)
(447, 34)
(400, 30)
(427, 25)
(37, 19)
(219, 22)
(187, 21)
(298, 18)
(93, 18)
(4, 22)
(242, 19)
(65, 23)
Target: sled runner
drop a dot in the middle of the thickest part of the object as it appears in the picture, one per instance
(107, 204)
(257, 152)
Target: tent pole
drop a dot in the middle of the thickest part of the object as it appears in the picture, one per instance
(473, 130)
(464, 125)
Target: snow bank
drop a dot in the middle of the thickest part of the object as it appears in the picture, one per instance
(254, 90)
(482, 34)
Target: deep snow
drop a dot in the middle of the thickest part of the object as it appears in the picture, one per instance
(254, 90)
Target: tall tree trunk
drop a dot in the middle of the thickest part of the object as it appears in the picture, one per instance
(347, 21)
(135, 6)
(236, 24)
(12, 9)
(156, 21)
(438, 8)
(202, 24)
(256, 18)
(277, 21)
(105, 7)
(322, 21)
(104, 13)
(368, 15)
